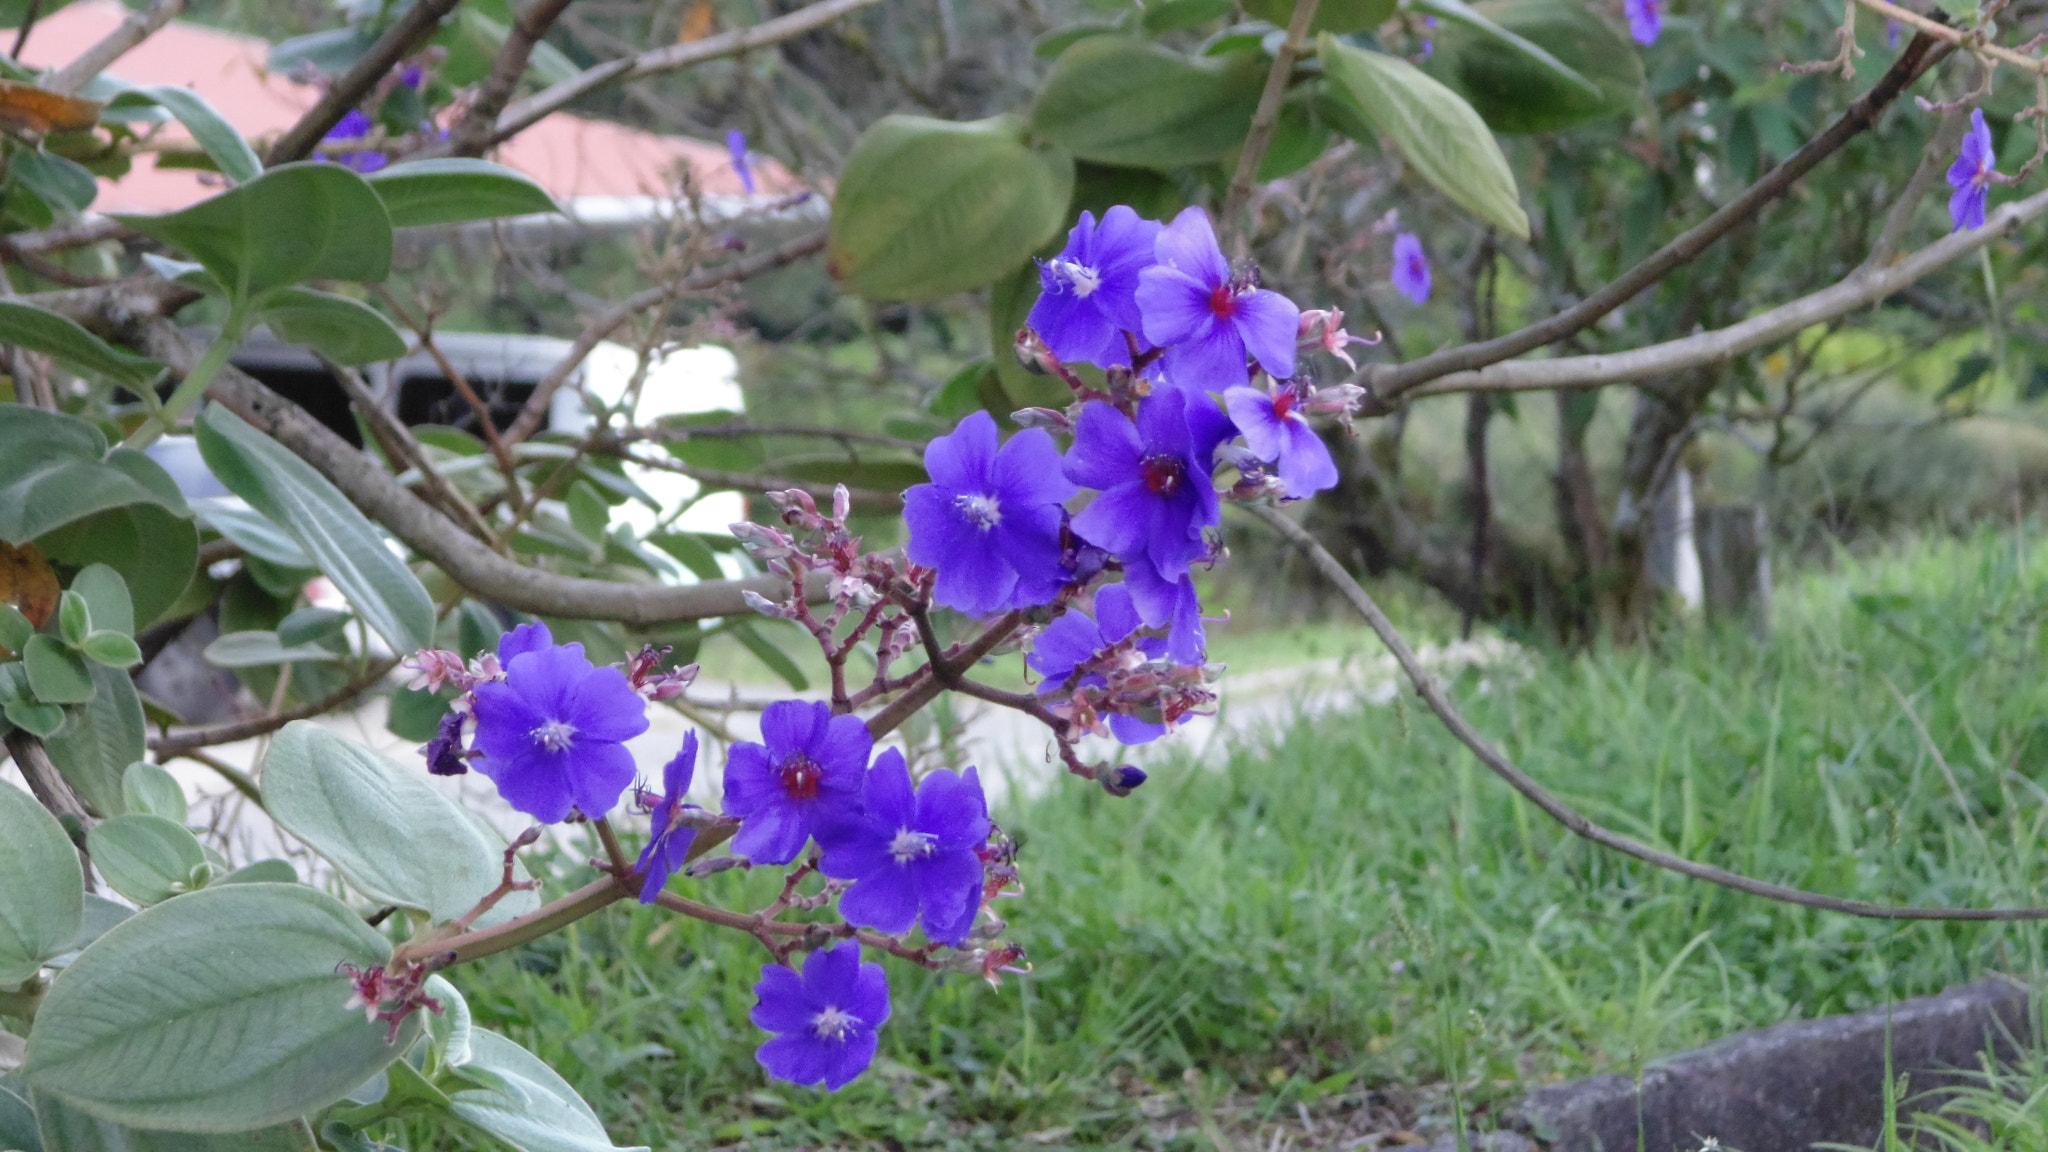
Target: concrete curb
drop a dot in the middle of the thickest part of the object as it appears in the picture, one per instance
(1784, 1088)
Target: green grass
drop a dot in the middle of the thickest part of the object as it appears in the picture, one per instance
(1345, 914)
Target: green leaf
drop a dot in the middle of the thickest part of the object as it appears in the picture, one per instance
(68, 1129)
(55, 469)
(345, 331)
(113, 649)
(209, 129)
(65, 186)
(101, 914)
(44, 720)
(1439, 134)
(146, 858)
(531, 1107)
(307, 221)
(416, 716)
(106, 595)
(1580, 69)
(150, 790)
(249, 531)
(451, 191)
(926, 208)
(155, 551)
(391, 835)
(765, 650)
(1180, 15)
(263, 872)
(1051, 44)
(14, 628)
(452, 1031)
(74, 619)
(254, 1030)
(313, 626)
(690, 550)
(1338, 16)
(42, 887)
(333, 51)
(346, 546)
(56, 674)
(256, 649)
(1120, 100)
(95, 752)
(17, 1116)
(60, 338)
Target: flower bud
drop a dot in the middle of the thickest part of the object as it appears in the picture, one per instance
(1049, 419)
(1033, 355)
(761, 542)
(764, 605)
(1122, 780)
(842, 503)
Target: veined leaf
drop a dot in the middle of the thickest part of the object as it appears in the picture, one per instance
(26, 326)
(42, 887)
(208, 127)
(1121, 100)
(457, 189)
(345, 331)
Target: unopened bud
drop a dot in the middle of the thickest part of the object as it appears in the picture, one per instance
(713, 865)
(1122, 780)
(842, 502)
(760, 541)
(1032, 353)
(763, 605)
(1050, 419)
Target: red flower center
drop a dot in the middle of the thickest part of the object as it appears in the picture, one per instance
(800, 777)
(1162, 474)
(1283, 403)
(1222, 302)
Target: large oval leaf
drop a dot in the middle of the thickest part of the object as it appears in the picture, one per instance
(221, 1011)
(154, 551)
(27, 326)
(308, 221)
(343, 330)
(341, 540)
(55, 469)
(94, 753)
(927, 207)
(66, 1129)
(147, 858)
(457, 189)
(529, 1105)
(1339, 16)
(42, 887)
(1439, 134)
(1517, 93)
(390, 834)
(1120, 100)
(209, 129)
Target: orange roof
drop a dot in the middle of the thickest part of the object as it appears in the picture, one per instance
(571, 157)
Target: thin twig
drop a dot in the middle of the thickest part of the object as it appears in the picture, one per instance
(536, 410)
(399, 41)
(526, 112)
(399, 442)
(139, 26)
(1265, 120)
(1433, 695)
(184, 741)
(471, 135)
(1389, 382)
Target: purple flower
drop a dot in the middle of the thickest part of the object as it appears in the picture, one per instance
(1205, 318)
(355, 126)
(552, 732)
(1644, 20)
(1156, 492)
(1089, 292)
(1411, 268)
(824, 1020)
(911, 855)
(989, 522)
(1891, 33)
(444, 751)
(807, 777)
(1174, 602)
(1971, 175)
(412, 76)
(1276, 431)
(736, 146)
(669, 847)
(1073, 639)
(1429, 46)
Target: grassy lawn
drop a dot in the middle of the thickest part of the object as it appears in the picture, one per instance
(1346, 927)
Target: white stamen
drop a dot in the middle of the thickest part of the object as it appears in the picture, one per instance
(908, 845)
(554, 735)
(834, 1024)
(983, 511)
(1084, 279)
